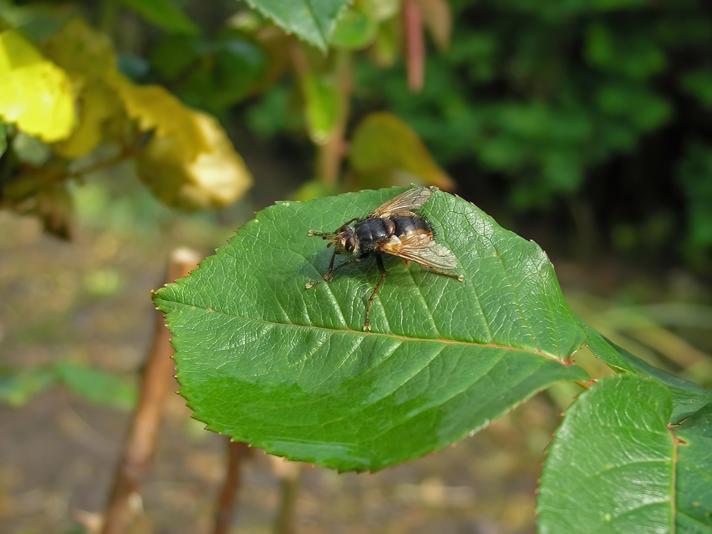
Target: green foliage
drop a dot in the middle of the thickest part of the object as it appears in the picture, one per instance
(311, 20)
(291, 370)
(211, 72)
(3, 139)
(354, 30)
(17, 388)
(687, 397)
(693, 483)
(695, 174)
(547, 96)
(20, 386)
(597, 488)
(699, 84)
(97, 386)
(164, 14)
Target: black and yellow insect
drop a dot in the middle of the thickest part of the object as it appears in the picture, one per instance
(395, 229)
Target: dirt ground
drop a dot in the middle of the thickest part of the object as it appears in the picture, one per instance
(88, 301)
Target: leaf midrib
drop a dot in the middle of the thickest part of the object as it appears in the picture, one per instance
(385, 335)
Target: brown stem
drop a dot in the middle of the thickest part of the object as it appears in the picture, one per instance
(236, 453)
(414, 44)
(141, 439)
(290, 478)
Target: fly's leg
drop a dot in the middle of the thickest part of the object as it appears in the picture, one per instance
(369, 304)
(329, 274)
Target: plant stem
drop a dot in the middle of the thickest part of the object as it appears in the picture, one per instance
(225, 511)
(290, 474)
(414, 44)
(332, 151)
(140, 442)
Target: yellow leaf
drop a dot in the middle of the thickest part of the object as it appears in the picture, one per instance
(214, 177)
(438, 19)
(35, 94)
(157, 110)
(89, 59)
(384, 150)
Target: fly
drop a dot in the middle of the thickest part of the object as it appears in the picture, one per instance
(396, 229)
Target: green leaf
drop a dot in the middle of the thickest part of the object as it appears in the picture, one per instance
(20, 386)
(289, 369)
(385, 146)
(97, 386)
(694, 473)
(354, 30)
(615, 466)
(699, 84)
(164, 14)
(322, 105)
(311, 20)
(687, 397)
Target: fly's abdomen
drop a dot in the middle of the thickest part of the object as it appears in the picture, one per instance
(407, 224)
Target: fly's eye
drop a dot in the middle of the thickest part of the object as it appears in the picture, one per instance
(349, 246)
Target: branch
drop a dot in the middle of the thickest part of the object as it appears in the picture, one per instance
(414, 44)
(225, 511)
(141, 440)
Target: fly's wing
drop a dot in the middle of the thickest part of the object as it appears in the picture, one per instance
(420, 248)
(412, 199)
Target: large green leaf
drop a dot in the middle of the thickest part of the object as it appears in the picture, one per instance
(311, 20)
(616, 467)
(267, 361)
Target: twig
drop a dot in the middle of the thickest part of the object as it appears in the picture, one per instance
(414, 44)
(225, 511)
(141, 439)
(290, 479)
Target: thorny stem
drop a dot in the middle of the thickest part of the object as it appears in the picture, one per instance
(141, 439)
(225, 510)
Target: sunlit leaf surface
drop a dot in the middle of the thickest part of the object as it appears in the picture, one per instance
(267, 361)
(35, 94)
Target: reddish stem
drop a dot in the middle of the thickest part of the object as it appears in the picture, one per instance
(414, 44)
(236, 453)
(140, 442)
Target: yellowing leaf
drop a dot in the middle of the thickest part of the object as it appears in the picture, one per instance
(215, 177)
(384, 147)
(35, 94)
(437, 17)
(89, 59)
(81, 51)
(157, 110)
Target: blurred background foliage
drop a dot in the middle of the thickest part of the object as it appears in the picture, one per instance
(585, 125)
(590, 118)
